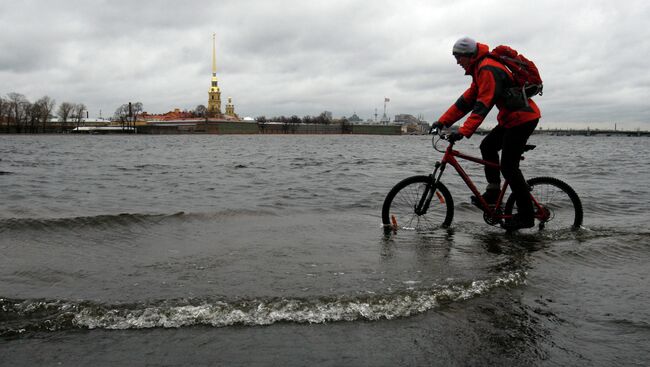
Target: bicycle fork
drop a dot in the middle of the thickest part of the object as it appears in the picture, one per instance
(423, 204)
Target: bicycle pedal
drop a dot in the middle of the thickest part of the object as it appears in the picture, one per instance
(477, 203)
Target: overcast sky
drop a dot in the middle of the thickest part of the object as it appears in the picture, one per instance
(285, 57)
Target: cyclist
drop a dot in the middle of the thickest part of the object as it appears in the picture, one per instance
(518, 116)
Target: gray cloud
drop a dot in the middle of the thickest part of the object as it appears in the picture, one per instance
(293, 57)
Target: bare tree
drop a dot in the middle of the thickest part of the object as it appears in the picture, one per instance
(122, 114)
(33, 114)
(46, 106)
(294, 120)
(323, 118)
(261, 123)
(65, 112)
(201, 111)
(78, 113)
(17, 111)
(136, 110)
(18, 105)
(4, 112)
(346, 126)
(282, 119)
(127, 115)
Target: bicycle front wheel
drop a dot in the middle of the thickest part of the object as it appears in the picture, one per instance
(556, 204)
(399, 210)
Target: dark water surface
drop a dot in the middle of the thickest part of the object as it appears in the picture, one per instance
(268, 250)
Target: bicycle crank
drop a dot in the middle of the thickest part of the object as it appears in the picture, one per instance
(492, 220)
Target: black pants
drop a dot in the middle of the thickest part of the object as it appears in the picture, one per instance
(511, 142)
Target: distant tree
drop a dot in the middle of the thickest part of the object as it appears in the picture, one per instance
(18, 106)
(45, 108)
(78, 113)
(307, 119)
(127, 116)
(201, 111)
(65, 112)
(282, 119)
(122, 114)
(136, 109)
(323, 118)
(294, 120)
(33, 114)
(293, 123)
(261, 123)
(346, 126)
(3, 111)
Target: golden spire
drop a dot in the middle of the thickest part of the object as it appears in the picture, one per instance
(214, 56)
(214, 95)
(214, 84)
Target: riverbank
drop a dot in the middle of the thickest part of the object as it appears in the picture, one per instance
(266, 128)
(210, 127)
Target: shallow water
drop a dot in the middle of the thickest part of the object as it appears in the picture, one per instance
(202, 249)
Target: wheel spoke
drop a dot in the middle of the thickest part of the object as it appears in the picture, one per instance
(405, 197)
(561, 204)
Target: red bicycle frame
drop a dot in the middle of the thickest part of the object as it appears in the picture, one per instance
(450, 158)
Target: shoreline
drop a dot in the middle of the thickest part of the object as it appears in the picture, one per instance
(243, 128)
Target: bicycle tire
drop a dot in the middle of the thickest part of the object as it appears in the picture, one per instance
(398, 211)
(562, 203)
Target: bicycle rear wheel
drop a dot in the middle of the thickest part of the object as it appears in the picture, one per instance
(559, 207)
(398, 211)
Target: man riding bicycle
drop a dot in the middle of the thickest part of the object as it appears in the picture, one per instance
(492, 84)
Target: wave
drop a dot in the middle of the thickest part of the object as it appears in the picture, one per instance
(21, 316)
(622, 208)
(604, 248)
(123, 219)
(634, 324)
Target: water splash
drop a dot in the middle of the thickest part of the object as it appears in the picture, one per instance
(21, 316)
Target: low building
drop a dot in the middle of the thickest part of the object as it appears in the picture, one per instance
(355, 119)
(176, 114)
(411, 124)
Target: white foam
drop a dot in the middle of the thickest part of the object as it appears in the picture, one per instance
(266, 312)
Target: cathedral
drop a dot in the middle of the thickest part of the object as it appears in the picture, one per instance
(214, 94)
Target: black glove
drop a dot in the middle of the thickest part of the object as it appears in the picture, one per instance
(436, 125)
(455, 136)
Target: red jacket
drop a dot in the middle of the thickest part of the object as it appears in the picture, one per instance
(490, 83)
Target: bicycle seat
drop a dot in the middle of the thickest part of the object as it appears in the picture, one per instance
(529, 147)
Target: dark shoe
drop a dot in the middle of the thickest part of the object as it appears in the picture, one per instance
(518, 222)
(490, 197)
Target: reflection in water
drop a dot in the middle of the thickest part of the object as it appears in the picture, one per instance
(425, 243)
(501, 320)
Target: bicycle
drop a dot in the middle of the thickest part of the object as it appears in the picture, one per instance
(410, 204)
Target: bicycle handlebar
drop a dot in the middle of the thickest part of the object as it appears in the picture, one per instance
(437, 133)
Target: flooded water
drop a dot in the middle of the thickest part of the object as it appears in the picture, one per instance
(269, 250)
